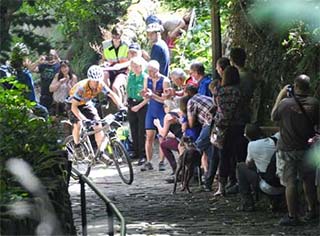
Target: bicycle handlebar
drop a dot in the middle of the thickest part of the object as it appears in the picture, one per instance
(118, 117)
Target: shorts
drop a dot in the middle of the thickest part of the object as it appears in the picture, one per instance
(89, 111)
(293, 165)
(150, 117)
(114, 73)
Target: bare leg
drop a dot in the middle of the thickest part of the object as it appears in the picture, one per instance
(76, 132)
(161, 155)
(204, 162)
(106, 78)
(150, 134)
(291, 198)
(310, 192)
(119, 85)
(99, 136)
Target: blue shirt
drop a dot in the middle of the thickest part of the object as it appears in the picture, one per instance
(203, 87)
(160, 53)
(25, 77)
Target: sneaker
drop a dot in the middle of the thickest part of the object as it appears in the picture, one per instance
(162, 166)
(141, 161)
(78, 153)
(289, 221)
(147, 166)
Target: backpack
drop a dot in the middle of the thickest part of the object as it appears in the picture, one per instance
(270, 175)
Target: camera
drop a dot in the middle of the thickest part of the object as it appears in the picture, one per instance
(290, 91)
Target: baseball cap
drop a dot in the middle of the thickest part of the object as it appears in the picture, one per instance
(135, 47)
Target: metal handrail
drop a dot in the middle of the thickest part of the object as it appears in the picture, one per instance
(111, 208)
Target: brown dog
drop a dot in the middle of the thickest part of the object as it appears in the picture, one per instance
(188, 161)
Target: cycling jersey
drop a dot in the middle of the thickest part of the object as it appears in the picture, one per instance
(83, 94)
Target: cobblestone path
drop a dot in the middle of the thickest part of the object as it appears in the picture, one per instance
(150, 209)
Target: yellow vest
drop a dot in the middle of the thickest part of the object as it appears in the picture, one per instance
(110, 55)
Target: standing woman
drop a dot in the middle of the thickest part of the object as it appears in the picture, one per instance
(226, 123)
(137, 106)
(60, 86)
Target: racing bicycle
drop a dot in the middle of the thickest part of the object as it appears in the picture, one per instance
(114, 149)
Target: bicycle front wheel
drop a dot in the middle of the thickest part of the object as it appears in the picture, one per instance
(122, 161)
(82, 165)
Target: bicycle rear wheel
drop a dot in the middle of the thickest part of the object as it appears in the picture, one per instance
(83, 166)
(122, 161)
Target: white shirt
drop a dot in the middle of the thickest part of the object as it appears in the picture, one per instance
(261, 151)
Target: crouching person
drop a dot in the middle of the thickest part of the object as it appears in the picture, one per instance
(259, 170)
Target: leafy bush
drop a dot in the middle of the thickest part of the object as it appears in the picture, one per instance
(21, 136)
(193, 45)
(35, 141)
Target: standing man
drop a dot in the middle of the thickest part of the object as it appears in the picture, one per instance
(247, 83)
(48, 67)
(295, 130)
(159, 50)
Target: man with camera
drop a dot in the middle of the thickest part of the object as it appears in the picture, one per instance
(47, 66)
(292, 162)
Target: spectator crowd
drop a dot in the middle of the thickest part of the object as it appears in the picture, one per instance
(167, 104)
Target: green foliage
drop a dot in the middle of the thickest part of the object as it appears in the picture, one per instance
(193, 45)
(21, 20)
(23, 137)
(277, 56)
(196, 44)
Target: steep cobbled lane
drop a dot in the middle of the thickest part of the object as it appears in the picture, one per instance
(150, 209)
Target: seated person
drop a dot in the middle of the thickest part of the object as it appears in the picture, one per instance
(115, 53)
(259, 170)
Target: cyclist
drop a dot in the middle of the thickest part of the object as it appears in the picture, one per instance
(82, 108)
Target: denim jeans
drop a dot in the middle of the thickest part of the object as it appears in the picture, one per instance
(203, 141)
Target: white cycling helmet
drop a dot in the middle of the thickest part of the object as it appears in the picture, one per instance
(95, 73)
(20, 49)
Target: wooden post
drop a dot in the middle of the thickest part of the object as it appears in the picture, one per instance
(215, 33)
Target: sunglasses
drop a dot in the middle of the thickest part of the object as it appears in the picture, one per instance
(66, 62)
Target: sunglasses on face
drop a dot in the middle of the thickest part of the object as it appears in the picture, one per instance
(65, 62)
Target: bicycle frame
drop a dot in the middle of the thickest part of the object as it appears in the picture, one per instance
(106, 128)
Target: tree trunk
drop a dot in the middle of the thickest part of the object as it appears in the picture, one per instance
(215, 33)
